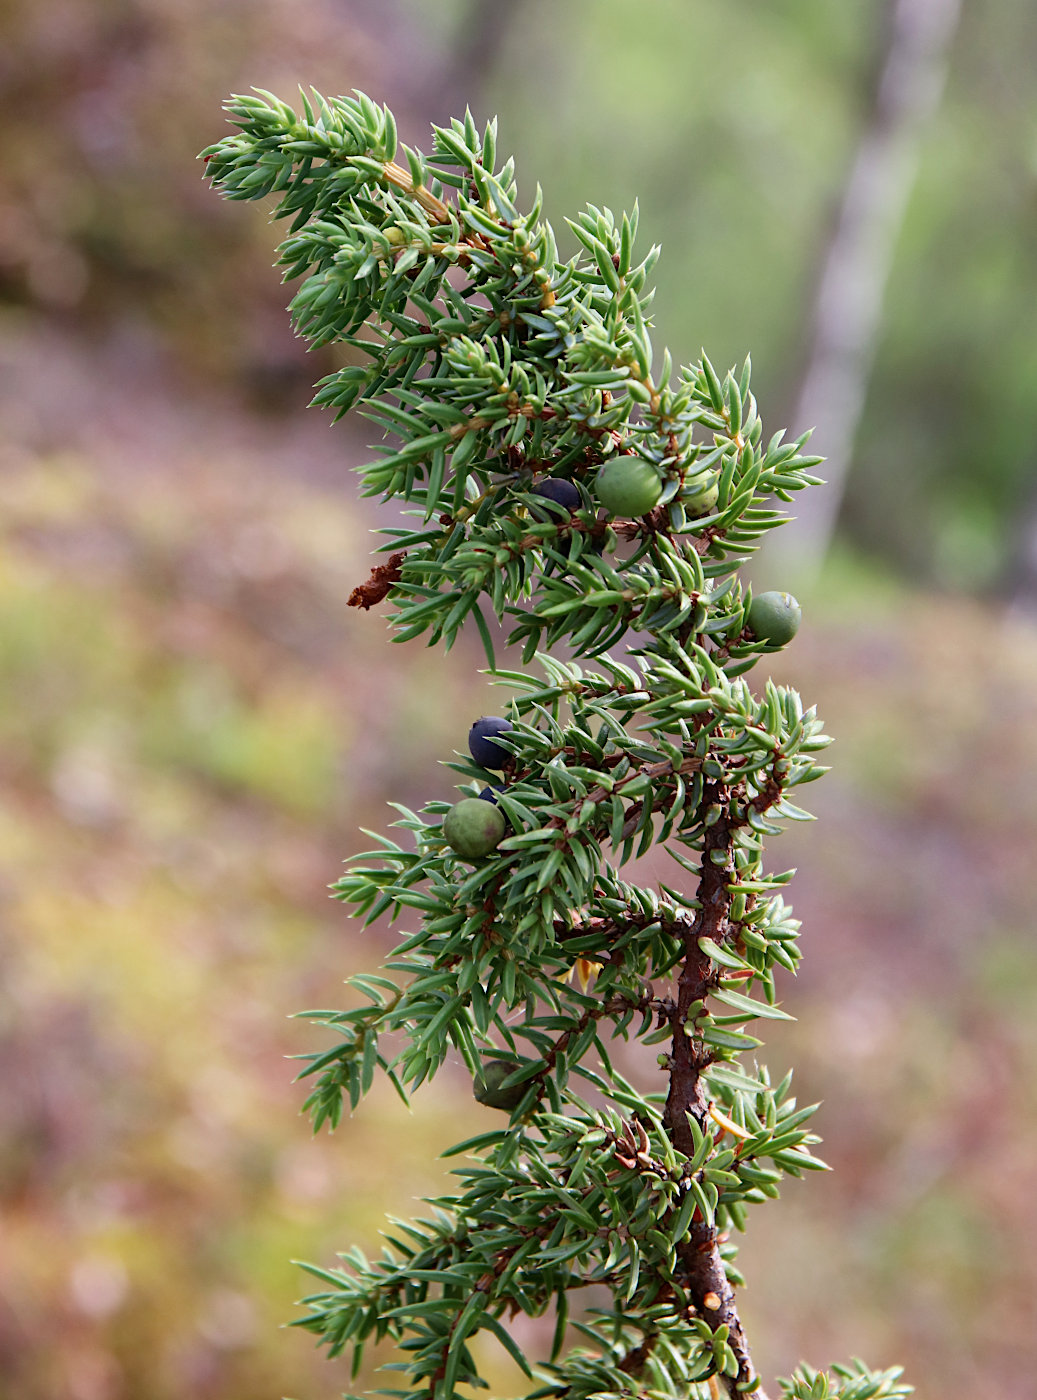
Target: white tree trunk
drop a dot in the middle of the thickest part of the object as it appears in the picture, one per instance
(850, 291)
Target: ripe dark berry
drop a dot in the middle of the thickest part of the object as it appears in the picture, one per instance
(628, 485)
(559, 490)
(487, 1087)
(480, 741)
(489, 794)
(474, 828)
(774, 618)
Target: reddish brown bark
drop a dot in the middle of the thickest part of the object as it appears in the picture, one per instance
(383, 576)
(701, 1267)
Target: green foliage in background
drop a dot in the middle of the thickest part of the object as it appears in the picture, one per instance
(110, 236)
(491, 367)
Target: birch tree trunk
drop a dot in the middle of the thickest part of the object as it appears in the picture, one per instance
(848, 301)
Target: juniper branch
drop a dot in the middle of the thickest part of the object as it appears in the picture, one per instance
(560, 484)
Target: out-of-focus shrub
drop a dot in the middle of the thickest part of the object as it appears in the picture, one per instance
(103, 213)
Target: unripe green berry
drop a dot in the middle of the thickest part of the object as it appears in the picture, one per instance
(487, 1086)
(628, 485)
(702, 500)
(774, 618)
(473, 827)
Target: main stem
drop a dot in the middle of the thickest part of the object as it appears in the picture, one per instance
(701, 1267)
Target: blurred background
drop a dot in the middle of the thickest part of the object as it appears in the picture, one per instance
(193, 726)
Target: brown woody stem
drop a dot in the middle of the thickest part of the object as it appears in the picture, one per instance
(701, 1268)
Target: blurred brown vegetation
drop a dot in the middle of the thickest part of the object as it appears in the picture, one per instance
(193, 727)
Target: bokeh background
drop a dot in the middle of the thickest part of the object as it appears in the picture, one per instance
(194, 727)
